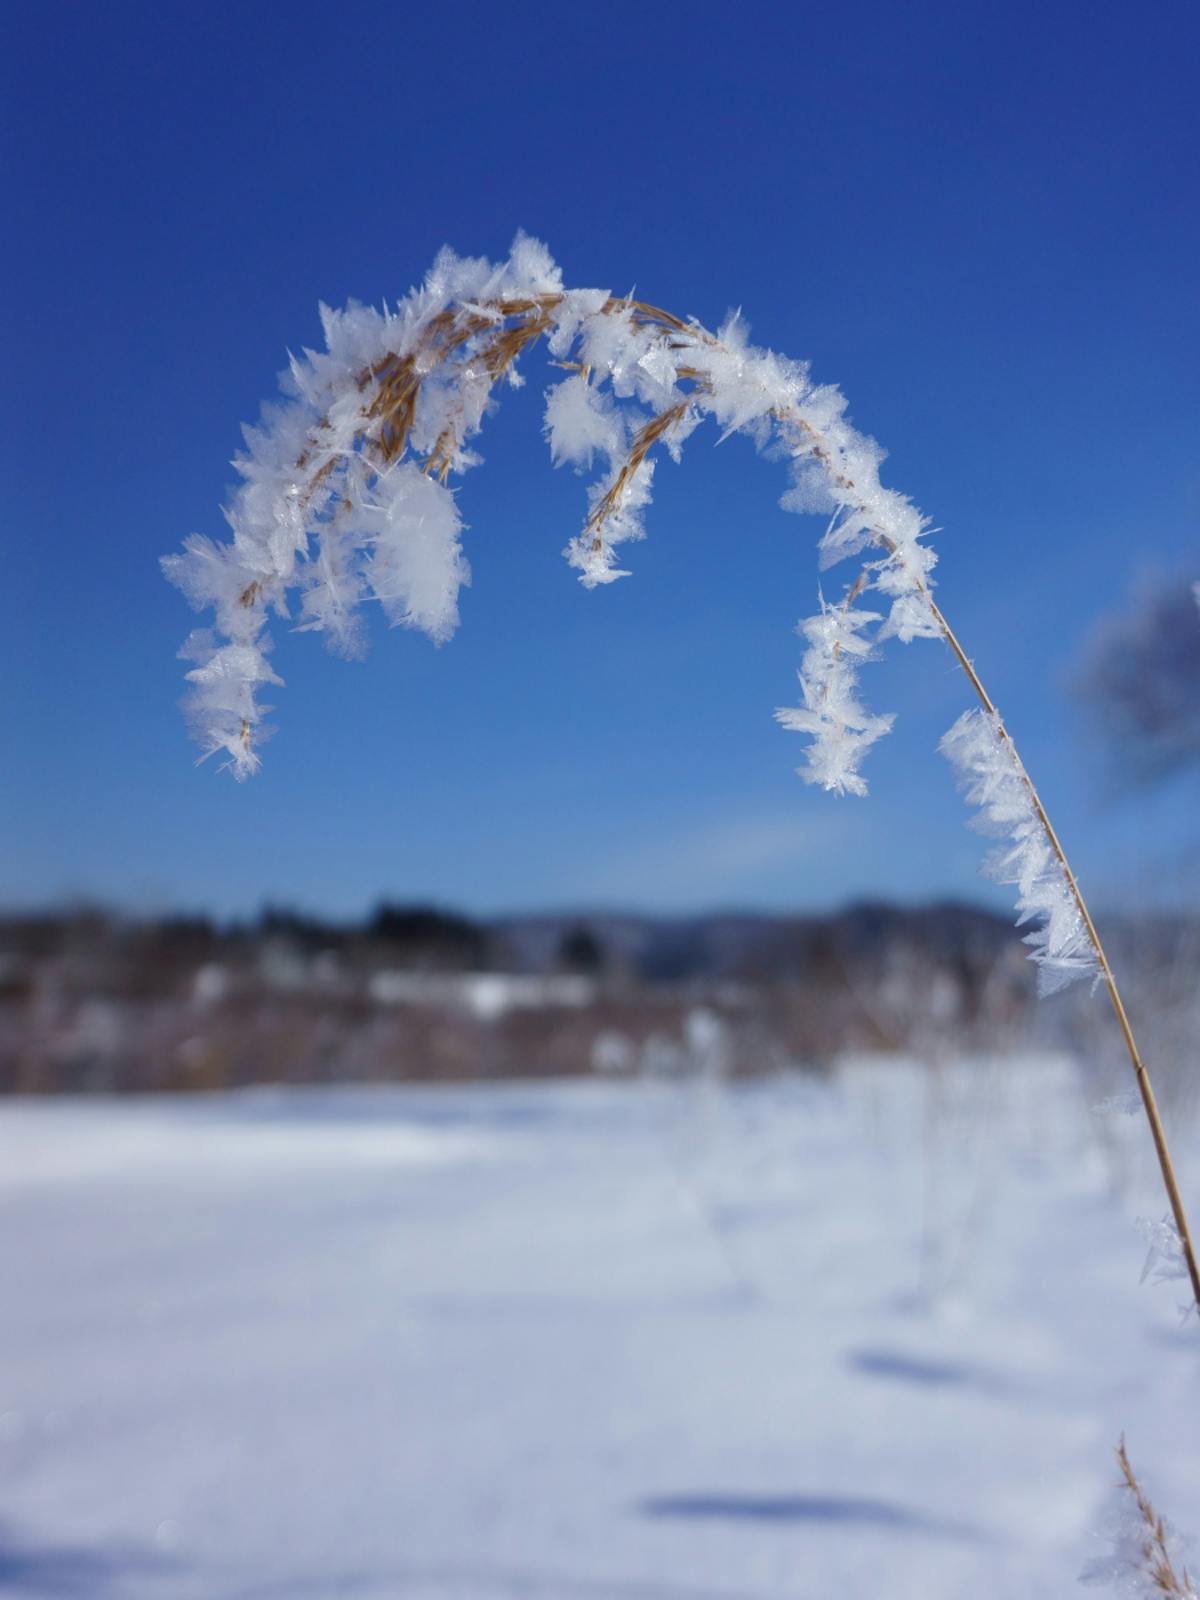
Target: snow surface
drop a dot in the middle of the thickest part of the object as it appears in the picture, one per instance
(586, 1341)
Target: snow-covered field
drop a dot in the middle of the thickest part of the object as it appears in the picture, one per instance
(581, 1341)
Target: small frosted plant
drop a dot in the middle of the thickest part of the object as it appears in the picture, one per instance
(345, 499)
(1145, 1562)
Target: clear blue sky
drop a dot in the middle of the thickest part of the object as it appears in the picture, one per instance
(980, 220)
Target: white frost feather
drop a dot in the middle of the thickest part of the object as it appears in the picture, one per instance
(416, 565)
(841, 729)
(993, 779)
(581, 420)
(1165, 1257)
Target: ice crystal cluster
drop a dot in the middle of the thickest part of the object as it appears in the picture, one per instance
(1135, 1566)
(1165, 1259)
(992, 778)
(345, 501)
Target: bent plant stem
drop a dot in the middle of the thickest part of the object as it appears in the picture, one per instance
(393, 409)
(1145, 1087)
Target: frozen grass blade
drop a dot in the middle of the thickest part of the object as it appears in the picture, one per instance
(345, 500)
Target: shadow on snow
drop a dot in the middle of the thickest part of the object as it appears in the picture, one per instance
(833, 1510)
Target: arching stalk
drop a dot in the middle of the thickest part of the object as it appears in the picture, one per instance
(335, 470)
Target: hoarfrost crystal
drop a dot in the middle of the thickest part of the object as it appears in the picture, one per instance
(345, 499)
(993, 779)
(842, 730)
(1164, 1250)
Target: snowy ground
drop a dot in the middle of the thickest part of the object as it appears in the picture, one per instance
(581, 1342)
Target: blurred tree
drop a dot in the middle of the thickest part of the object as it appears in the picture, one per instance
(422, 936)
(580, 950)
(1140, 676)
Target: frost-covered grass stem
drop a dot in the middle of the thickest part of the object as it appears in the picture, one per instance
(1145, 1087)
(345, 498)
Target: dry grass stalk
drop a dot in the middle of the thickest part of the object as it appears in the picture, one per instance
(1158, 1567)
(516, 324)
(643, 442)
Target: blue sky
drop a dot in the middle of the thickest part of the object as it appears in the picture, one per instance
(980, 221)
